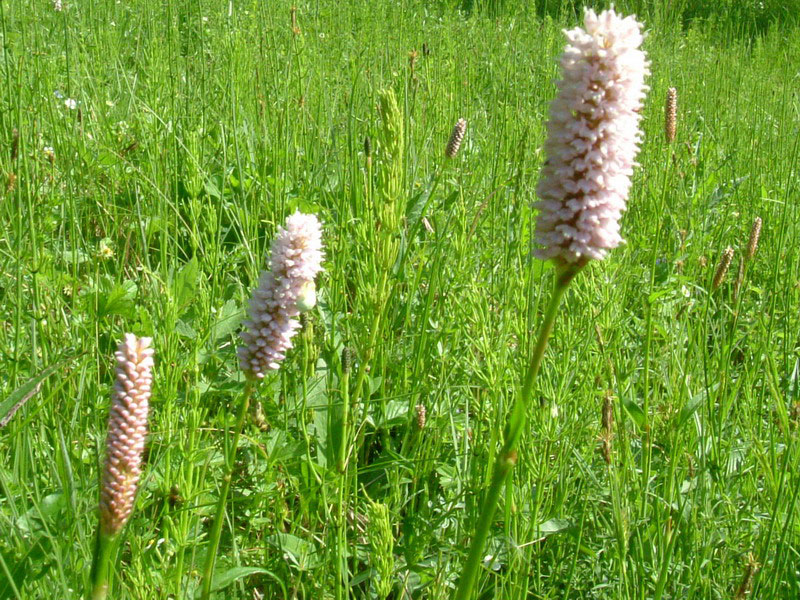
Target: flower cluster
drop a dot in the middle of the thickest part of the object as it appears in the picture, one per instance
(127, 429)
(283, 291)
(593, 137)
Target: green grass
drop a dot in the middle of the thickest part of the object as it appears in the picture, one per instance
(200, 125)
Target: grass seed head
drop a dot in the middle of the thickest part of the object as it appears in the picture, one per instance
(593, 137)
(755, 234)
(127, 430)
(456, 137)
(750, 569)
(422, 414)
(607, 433)
(722, 268)
(412, 60)
(14, 144)
(671, 114)
(608, 415)
(347, 359)
(367, 147)
(368, 150)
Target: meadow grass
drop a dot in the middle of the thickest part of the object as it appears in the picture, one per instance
(148, 207)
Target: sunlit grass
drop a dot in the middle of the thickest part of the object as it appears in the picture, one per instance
(197, 129)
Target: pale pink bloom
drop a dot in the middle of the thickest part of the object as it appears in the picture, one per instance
(593, 139)
(295, 260)
(127, 429)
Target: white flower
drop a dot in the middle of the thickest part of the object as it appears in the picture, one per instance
(593, 138)
(71, 103)
(295, 260)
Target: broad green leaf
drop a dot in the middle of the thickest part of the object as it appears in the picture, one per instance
(553, 526)
(183, 329)
(224, 579)
(298, 550)
(228, 320)
(52, 505)
(635, 413)
(118, 300)
(694, 403)
(396, 411)
(74, 258)
(184, 288)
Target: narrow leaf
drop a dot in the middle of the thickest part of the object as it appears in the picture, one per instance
(22, 394)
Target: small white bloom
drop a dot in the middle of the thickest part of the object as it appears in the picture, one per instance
(71, 103)
(307, 298)
(57, 6)
(685, 291)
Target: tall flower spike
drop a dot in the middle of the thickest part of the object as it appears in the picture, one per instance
(295, 260)
(593, 137)
(456, 137)
(127, 429)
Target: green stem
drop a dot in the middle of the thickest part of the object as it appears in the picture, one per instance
(230, 456)
(101, 567)
(507, 457)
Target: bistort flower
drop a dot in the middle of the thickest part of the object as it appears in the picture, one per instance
(295, 260)
(127, 430)
(593, 138)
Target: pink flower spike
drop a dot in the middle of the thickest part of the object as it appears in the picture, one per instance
(127, 430)
(593, 138)
(295, 260)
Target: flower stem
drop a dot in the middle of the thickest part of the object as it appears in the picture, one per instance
(101, 566)
(507, 457)
(230, 456)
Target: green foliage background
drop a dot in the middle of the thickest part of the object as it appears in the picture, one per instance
(199, 125)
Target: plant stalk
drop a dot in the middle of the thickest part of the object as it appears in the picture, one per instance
(507, 457)
(230, 457)
(101, 566)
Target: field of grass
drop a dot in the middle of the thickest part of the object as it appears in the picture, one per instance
(150, 150)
